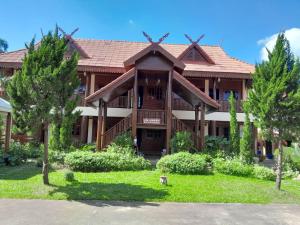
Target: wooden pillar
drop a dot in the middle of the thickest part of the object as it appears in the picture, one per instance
(84, 119)
(206, 87)
(7, 132)
(92, 86)
(213, 123)
(202, 126)
(103, 124)
(169, 112)
(99, 125)
(134, 109)
(244, 90)
(129, 99)
(197, 141)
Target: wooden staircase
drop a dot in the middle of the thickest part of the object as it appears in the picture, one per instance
(179, 125)
(118, 129)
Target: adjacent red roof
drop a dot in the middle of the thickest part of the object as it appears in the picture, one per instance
(109, 56)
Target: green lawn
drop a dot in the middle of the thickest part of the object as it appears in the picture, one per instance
(26, 182)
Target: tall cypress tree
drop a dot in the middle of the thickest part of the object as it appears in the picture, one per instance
(275, 97)
(234, 137)
(33, 89)
(246, 142)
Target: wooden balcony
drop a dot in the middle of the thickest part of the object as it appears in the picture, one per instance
(151, 118)
(224, 106)
(180, 104)
(119, 102)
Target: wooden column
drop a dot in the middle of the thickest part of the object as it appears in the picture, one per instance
(129, 99)
(244, 90)
(99, 125)
(84, 119)
(103, 130)
(169, 112)
(214, 123)
(7, 132)
(197, 141)
(206, 87)
(134, 109)
(202, 126)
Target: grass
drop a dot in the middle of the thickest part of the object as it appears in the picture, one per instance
(26, 182)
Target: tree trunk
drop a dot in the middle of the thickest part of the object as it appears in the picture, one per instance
(45, 162)
(279, 166)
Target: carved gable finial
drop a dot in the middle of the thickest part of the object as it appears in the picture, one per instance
(192, 41)
(159, 41)
(68, 36)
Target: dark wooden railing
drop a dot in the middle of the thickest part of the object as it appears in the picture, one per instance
(180, 104)
(225, 106)
(151, 117)
(121, 127)
(179, 125)
(119, 102)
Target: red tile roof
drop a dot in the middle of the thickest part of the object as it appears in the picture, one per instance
(110, 56)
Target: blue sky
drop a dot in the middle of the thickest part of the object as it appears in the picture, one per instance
(241, 27)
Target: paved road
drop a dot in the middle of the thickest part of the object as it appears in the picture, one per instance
(46, 212)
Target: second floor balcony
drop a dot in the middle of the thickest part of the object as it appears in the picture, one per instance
(178, 104)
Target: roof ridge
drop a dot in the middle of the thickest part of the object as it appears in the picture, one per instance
(144, 42)
(19, 50)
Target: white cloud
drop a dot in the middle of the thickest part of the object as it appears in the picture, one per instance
(131, 22)
(293, 35)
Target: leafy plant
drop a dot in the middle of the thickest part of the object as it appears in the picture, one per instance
(182, 142)
(69, 176)
(183, 163)
(216, 146)
(263, 173)
(104, 161)
(232, 167)
(234, 136)
(124, 140)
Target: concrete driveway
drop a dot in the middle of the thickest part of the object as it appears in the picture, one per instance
(46, 212)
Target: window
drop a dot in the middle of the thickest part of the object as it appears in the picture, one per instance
(211, 93)
(155, 92)
(153, 134)
(227, 94)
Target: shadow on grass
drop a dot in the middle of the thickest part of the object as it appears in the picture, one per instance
(107, 192)
(21, 172)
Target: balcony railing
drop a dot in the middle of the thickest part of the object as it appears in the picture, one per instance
(180, 104)
(151, 117)
(119, 102)
(225, 106)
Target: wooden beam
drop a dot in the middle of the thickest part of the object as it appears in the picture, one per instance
(7, 132)
(134, 109)
(169, 112)
(103, 130)
(197, 141)
(99, 125)
(84, 119)
(202, 126)
(214, 128)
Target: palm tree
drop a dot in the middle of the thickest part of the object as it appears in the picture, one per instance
(3, 45)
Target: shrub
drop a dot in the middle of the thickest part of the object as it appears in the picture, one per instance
(232, 167)
(57, 156)
(124, 140)
(69, 176)
(124, 150)
(216, 146)
(104, 161)
(181, 142)
(39, 162)
(263, 173)
(34, 150)
(88, 147)
(17, 153)
(183, 163)
(291, 158)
